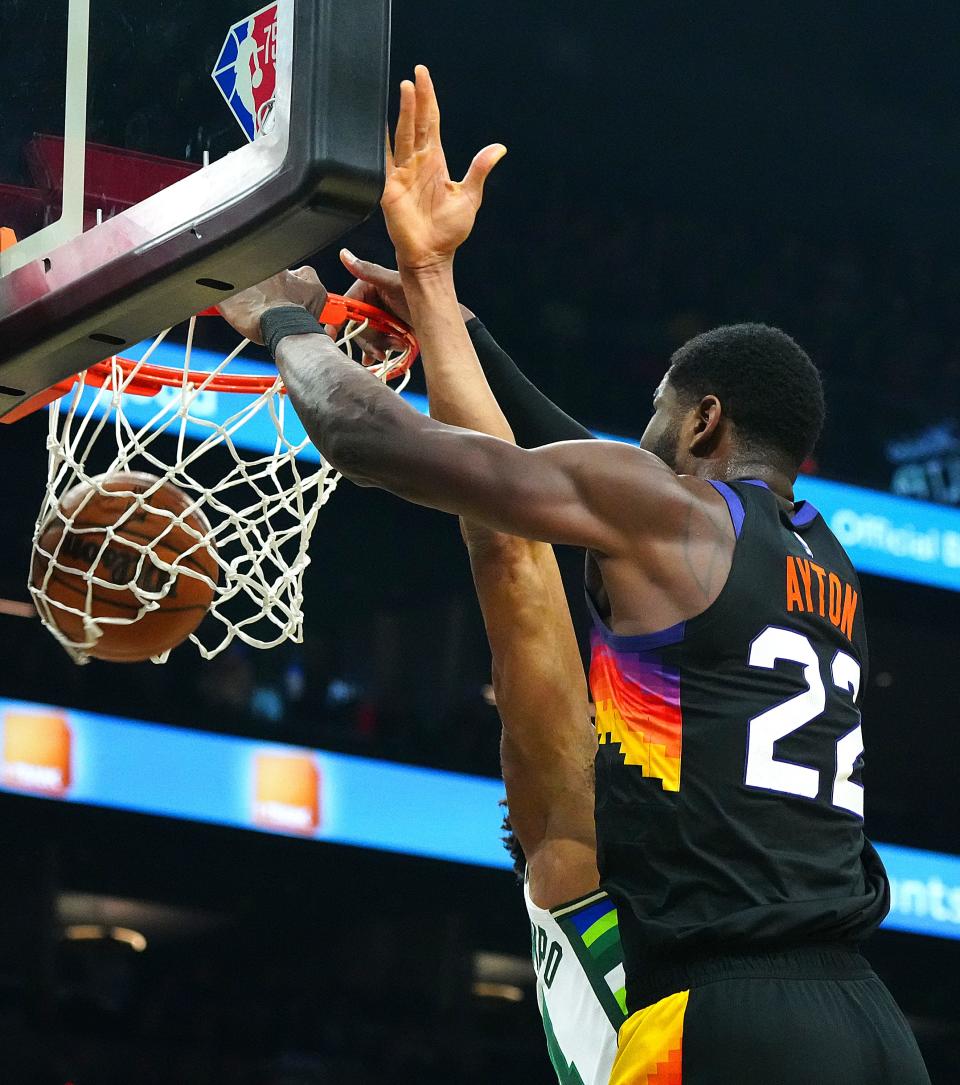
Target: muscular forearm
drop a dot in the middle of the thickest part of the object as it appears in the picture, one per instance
(374, 438)
(354, 420)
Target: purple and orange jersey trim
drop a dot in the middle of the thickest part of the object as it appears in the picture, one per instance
(637, 698)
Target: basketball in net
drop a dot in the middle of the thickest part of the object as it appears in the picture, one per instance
(126, 566)
(182, 494)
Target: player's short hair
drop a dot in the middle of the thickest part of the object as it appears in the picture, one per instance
(512, 844)
(766, 383)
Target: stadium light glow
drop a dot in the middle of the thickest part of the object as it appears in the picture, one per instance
(124, 764)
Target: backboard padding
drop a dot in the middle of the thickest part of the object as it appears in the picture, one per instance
(151, 266)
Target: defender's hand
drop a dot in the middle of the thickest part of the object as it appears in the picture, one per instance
(428, 215)
(380, 286)
(376, 285)
(301, 287)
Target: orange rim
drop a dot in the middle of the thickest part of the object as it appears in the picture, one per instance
(150, 378)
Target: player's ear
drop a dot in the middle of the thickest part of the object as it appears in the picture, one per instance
(707, 416)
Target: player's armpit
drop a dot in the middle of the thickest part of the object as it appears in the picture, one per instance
(553, 821)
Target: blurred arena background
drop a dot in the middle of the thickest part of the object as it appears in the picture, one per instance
(671, 168)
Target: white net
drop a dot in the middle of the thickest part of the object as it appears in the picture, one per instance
(253, 486)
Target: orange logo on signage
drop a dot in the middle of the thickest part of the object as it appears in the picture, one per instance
(286, 792)
(36, 752)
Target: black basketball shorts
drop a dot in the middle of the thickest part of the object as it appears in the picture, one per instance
(815, 1016)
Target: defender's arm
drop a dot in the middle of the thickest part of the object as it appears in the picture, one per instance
(535, 419)
(547, 745)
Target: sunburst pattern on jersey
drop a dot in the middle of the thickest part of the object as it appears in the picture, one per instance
(638, 706)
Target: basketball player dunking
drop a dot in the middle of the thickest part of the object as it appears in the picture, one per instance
(728, 658)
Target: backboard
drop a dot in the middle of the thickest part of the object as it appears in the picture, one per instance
(156, 157)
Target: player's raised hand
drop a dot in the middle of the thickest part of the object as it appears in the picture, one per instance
(428, 215)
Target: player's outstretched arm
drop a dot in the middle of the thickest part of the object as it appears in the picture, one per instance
(547, 745)
(596, 494)
(602, 495)
(606, 496)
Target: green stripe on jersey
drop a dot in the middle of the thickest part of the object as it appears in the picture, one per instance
(566, 1072)
(607, 952)
(598, 959)
(602, 925)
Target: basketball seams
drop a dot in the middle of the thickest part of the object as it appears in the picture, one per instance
(112, 652)
(186, 564)
(66, 582)
(165, 546)
(158, 543)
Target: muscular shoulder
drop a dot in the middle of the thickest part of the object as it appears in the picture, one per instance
(700, 508)
(672, 569)
(642, 498)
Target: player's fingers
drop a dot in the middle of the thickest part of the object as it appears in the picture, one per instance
(307, 274)
(369, 272)
(314, 297)
(368, 345)
(480, 169)
(428, 111)
(372, 282)
(371, 351)
(361, 291)
(372, 344)
(404, 139)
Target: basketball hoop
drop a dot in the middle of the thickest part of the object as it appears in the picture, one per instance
(261, 499)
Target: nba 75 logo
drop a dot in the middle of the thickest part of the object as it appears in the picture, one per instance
(246, 70)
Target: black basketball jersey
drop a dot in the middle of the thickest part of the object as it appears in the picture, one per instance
(729, 792)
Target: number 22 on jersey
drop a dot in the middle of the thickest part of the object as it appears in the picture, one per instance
(765, 771)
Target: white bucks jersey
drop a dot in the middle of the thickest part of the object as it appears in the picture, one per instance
(580, 985)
